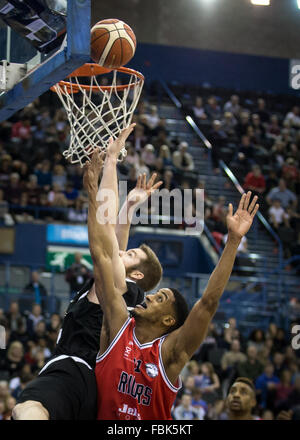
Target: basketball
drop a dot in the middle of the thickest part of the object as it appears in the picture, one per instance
(113, 43)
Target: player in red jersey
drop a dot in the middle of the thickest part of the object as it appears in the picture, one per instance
(141, 358)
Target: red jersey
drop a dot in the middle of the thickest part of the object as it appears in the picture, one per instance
(131, 380)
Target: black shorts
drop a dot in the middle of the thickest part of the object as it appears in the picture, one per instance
(67, 389)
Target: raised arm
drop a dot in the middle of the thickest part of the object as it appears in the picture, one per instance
(102, 239)
(181, 344)
(135, 198)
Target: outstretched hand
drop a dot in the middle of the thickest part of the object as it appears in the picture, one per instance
(143, 189)
(115, 146)
(91, 172)
(238, 224)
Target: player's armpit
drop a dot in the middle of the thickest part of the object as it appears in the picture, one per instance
(181, 344)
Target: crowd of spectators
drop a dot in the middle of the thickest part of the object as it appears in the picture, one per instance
(266, 358)
(262, 147)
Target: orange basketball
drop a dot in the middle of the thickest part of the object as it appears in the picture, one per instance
(113, 43)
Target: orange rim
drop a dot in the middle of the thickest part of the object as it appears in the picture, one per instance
(91, 69)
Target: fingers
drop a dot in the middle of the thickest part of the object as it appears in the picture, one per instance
(241, 204)
(230, 209)
(126, 132)
(157, 185)
(254, 200)
(151, 180)
(255, 210)
(144, 183)
(139, 182)
(247, 200)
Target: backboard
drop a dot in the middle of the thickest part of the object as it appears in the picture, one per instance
(41, 42)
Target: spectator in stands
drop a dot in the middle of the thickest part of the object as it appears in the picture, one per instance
(233, 105)
(261, 111)
(259, 130)
(78, 213)
(228, 124)
(14, 189)
(291, 174)
(13, 362)
(13, 315)
(243, 124)
(294, 396)
(35, 292)
(151, 119)
(283, 194)
(33, 190)
(255, 181)
(138, 138)
(273, 129)
(250, 368)
(292, 119)
(164, 153)
(197, 401)
(283, 388)
(278, 362)
(182, 160)
(208, 382)
(277, 215)
(34, 317)
(265, 383)
(20, 334)
(185, 411)
(59, 177)
(199, 110)
(213, 110)
(218, 135)
(148, 156)
(245, 155)
(77, 274)
(132, 157)
(142, 168)
(21, 130)
(25, 378)
(257, 339)
(43, 173)
(232, 357)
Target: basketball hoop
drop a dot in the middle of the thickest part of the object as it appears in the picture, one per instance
(97, 111)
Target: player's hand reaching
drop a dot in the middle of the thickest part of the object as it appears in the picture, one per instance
(143, 190)
(115, 146)
(91, 172)
(239, 223)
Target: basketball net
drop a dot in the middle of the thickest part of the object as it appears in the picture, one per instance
(97, 112)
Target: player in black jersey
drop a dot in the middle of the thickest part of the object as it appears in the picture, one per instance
(65, 388)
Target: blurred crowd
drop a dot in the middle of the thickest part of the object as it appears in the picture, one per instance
(266, 358)
(261, 145)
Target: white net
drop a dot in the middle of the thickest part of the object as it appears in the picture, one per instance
(97, 111)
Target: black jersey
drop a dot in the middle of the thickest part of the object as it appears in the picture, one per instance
(80, 332)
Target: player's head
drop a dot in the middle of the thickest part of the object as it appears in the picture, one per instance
(241, 398)
(142, 266)
(166, 309)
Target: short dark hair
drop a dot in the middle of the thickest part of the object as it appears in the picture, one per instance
(181, 309)
(247, 381)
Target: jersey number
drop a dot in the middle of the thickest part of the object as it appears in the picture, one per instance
(137, 364)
